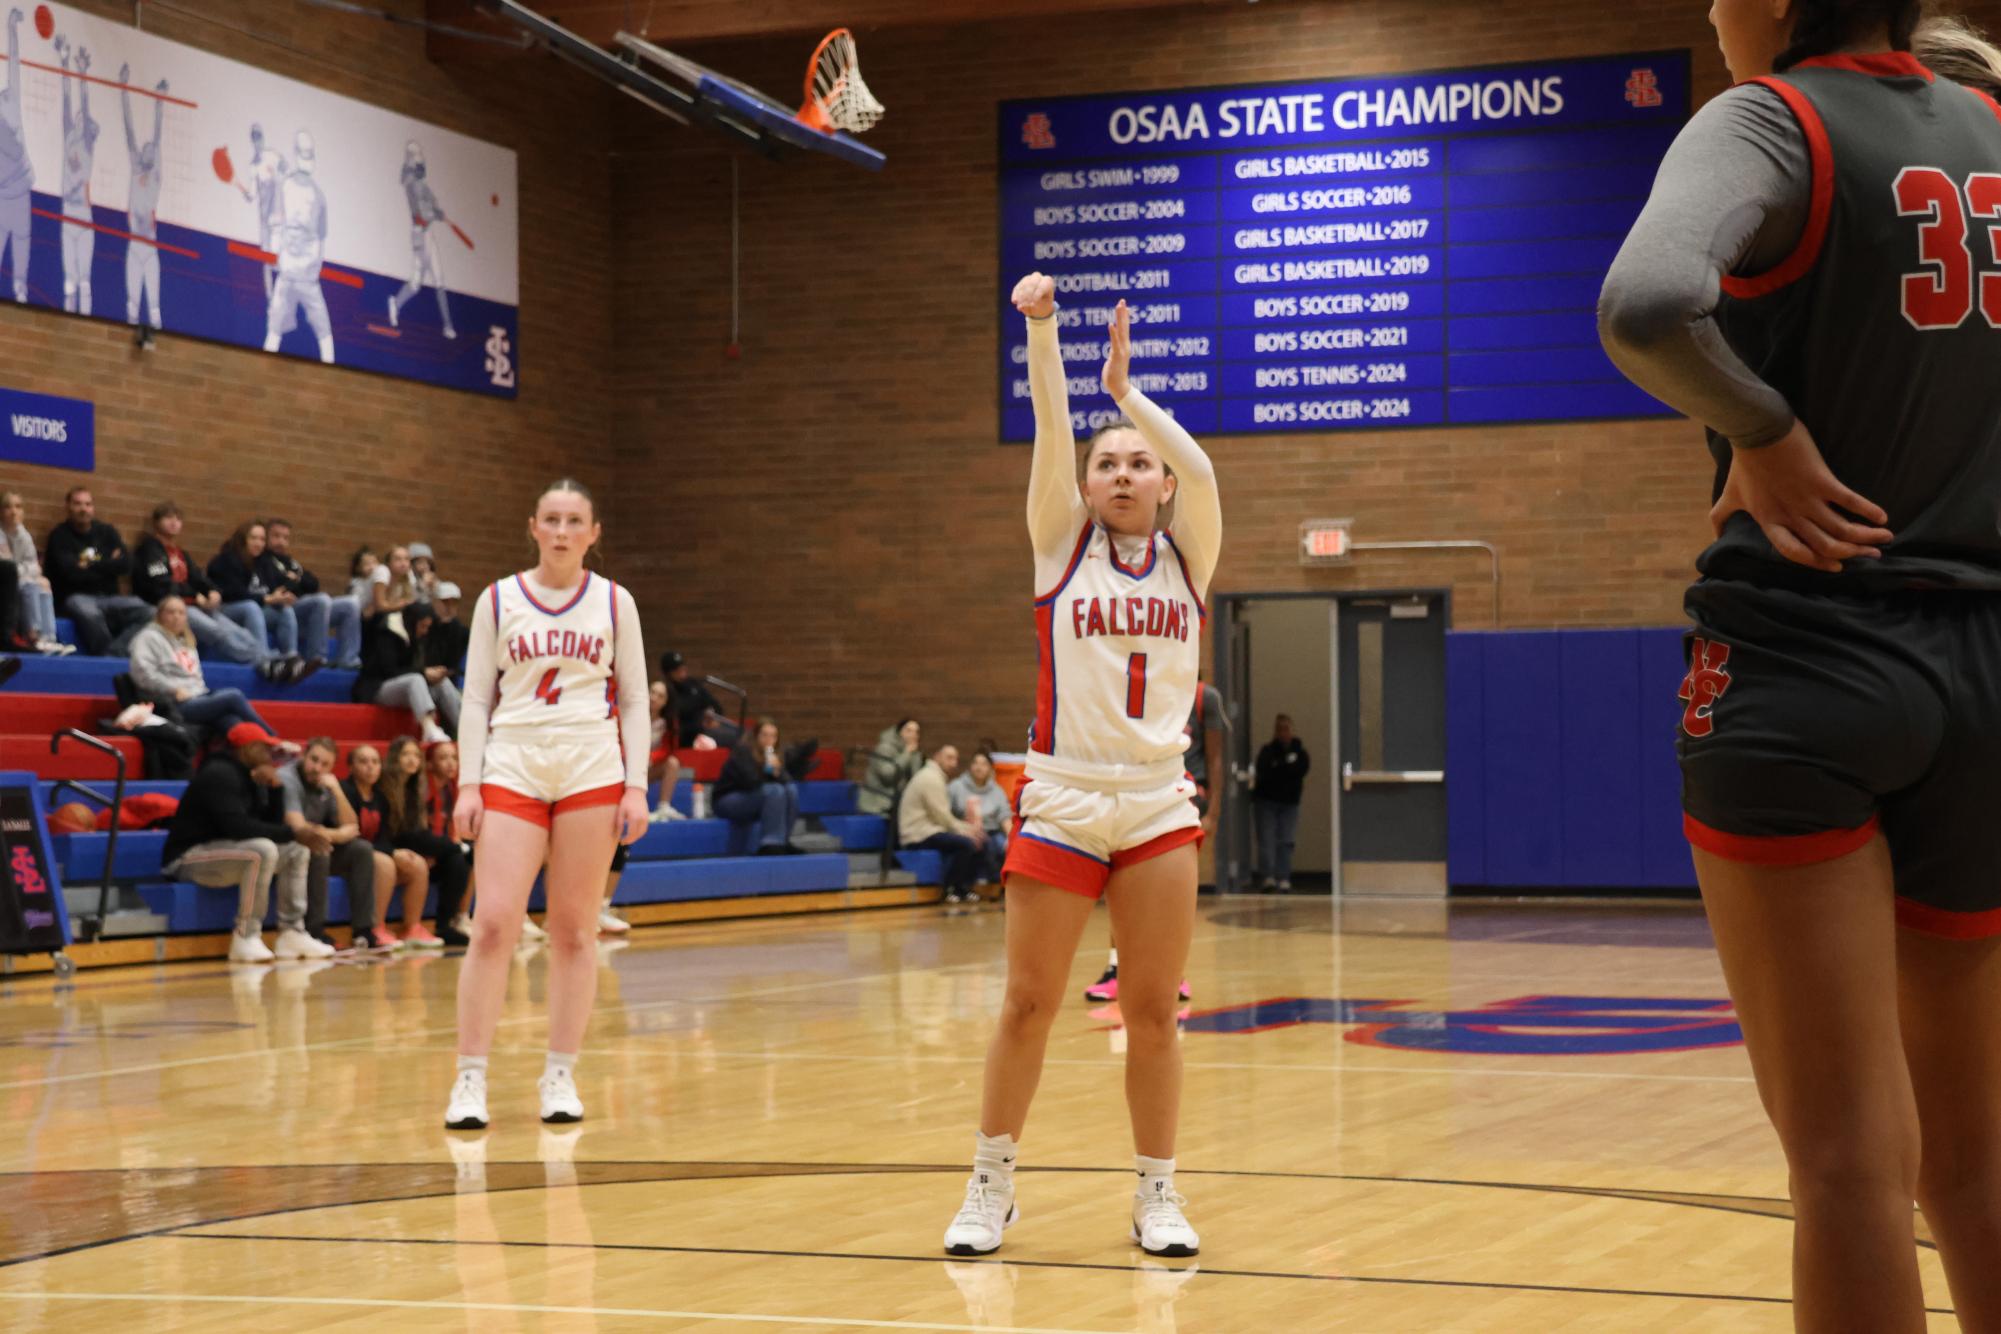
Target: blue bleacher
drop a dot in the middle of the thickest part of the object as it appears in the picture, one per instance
(81, 675)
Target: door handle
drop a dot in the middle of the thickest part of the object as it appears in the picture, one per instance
(1350, 776)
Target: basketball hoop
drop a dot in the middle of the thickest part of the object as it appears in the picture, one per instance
(836, 97)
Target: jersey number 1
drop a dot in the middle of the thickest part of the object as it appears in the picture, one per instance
(1136, 686)
(1942, 296)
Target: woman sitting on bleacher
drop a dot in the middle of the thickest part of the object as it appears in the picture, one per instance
(38, 603)
(407, 790)
(167, 670)
(394, 866)
(977, 799)
(396, 674)
(754, 789)
(898, 756)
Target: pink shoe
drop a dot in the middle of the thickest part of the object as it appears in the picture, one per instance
(419, 937)
(1186, 994)
(1106, 989)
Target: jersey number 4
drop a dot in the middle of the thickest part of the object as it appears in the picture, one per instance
(549, 692)
(1942, 296)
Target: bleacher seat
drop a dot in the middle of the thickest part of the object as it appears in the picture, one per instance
(927, 866)
(82, 675)
(858, 833)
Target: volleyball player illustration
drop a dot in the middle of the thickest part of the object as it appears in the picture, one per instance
(1814, 279)
(424, 266)
(79, 151)
(267, 169)
(1105, 808)
(17, 173)
(142, 261)
(301, 235)
(553, 741)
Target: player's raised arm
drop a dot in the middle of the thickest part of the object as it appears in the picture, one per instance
(1055, 509)
(1198, 507)
(14, 18)
(125, 105)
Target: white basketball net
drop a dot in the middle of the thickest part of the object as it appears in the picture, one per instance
(838, 89)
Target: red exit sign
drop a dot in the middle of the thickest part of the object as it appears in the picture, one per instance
(1325, 541)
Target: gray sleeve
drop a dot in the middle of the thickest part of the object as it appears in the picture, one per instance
(1733, 196)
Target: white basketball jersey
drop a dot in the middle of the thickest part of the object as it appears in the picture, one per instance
(1120, 649)
(555, 659)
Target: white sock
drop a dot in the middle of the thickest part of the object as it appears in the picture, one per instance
(566, 1063)
(1112, 961)
(1152, 1170)
(472, 1063)
(993, 1158)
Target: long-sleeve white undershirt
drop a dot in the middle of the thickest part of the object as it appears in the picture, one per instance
(1056, 509)
(635, 723)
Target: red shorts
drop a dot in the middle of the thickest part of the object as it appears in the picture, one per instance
(536, 811)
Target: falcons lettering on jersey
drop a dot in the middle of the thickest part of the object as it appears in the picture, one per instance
(556, 644)
(1157, 618)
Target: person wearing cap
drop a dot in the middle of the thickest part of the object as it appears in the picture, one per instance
(323, 619)
(299, 238)
(424, 571)
(449, 638)
(397, 672)
(230, 830)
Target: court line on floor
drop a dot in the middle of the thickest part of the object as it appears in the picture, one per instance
(641, 1313)
(1383, 1280)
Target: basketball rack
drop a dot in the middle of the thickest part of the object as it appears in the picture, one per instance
(691, 93)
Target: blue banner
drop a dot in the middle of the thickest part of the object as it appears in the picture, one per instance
(1415, 250)
(41, 428)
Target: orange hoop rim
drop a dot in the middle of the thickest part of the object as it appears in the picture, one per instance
(810, 110)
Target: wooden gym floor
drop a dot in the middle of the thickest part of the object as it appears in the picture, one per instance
(780, 1114)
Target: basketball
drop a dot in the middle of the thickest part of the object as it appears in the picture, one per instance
(45, 22)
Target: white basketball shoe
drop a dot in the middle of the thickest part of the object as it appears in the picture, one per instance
(467, 1109)
(560, 1103)
(1159, 1226)
(989, 1210)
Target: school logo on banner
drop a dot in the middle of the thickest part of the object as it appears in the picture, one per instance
(42, 428)
(1524, 1026)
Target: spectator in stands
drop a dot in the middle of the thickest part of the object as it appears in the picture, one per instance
(86, 560)
(697, 713)
(314, 800)
(443, 761)
(446, 644)
(37, 602)
(260, 608)
(406, 788)
(896, 759)
(390, 587)
(1279, 774)
(396, 673)
(394, 867)
(663, 765)
(978, 800)
(167, 670)
(925, 821)
(423, 571)
(160, 569)
(323, 619)
(230, 831)
(754, 789)
(360, 581)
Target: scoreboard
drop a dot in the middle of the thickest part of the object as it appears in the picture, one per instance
(1422, 250)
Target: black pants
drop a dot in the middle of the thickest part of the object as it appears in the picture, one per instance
(450, 875)
(354, 862)
(962, 858)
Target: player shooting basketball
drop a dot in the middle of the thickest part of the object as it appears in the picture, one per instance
(79, 150)
(142, 207)
(17, 173)
(267, 168)
(301, 236)
(424, 266)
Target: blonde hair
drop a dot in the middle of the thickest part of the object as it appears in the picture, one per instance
(186, 638)
(1949, 45)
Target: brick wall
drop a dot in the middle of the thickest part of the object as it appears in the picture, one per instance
(351, 457)
(847, 537)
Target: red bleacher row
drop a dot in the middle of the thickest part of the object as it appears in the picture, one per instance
(28, 721)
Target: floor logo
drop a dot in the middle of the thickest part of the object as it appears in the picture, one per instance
(1525, 1026)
